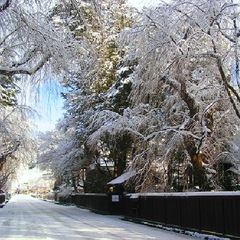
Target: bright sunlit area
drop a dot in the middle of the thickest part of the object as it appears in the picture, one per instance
(32, 181)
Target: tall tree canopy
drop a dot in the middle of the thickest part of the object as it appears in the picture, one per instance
(96, 26)
(191, 82)
(162, 96)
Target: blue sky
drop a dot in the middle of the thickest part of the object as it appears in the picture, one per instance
(46, 100)
(49, 106)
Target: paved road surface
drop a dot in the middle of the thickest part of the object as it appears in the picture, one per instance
(28, 218)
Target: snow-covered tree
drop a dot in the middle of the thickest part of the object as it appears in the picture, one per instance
(96, 26)
(16, 144)
(34, 48)
(59, 156)
(164, 100)
(189, 78)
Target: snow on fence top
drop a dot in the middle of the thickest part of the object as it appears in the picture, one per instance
(185, 194)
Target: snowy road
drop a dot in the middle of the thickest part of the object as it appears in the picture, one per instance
(28, 218)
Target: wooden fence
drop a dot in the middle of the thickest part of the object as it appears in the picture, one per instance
(2, 199)
(100, 203)
(216, 213)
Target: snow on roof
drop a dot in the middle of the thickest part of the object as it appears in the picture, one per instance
(122, 178)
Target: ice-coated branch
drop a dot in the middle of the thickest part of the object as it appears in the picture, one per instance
(28, 55)
(9, 71)
(4, 4)
(11, 150)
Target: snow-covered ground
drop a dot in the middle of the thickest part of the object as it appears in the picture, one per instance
(28, 218)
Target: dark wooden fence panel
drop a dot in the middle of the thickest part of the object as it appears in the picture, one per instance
(155, 210)
(173, 211)
(217, 213)
(211, 214)
(2, 198)
(131, 207)
(100, 203)
(95, 202)
(190, 213)
(231, 217)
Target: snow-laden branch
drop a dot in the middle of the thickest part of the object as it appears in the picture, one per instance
(28, 55)
(175, 129)
(227, 157)
(9, 71)
(4, 4)
(11, 149)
